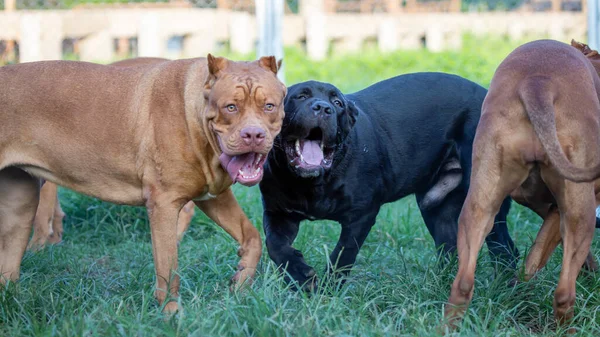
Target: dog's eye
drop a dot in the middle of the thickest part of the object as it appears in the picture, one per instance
(301, 97)
(338, 103)
(231, 108)
(269, 107)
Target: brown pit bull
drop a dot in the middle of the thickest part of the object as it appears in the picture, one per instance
(48, 221)
(155, 135)
(539, 132)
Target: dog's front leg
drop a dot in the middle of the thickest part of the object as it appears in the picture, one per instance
(227, 213)
(353, 235)
(163, 225)
(280, 232)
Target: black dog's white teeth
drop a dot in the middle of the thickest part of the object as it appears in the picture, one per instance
(322, 147)
(298, 152)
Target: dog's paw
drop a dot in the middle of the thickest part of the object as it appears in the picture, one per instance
(242, 278)
(55, 238)
(172, 308)
(302, 277)
(37, 243)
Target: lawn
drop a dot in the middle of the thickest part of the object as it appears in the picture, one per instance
(99, 281)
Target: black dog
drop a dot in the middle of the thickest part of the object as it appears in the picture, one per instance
(340, 157)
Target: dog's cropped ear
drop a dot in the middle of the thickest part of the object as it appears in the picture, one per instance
(269, 63)
(584, 48)
(279, 63)
(216, 64)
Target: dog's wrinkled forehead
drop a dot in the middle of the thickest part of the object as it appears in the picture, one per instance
(248, 85)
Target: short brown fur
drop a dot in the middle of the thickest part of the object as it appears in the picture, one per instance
(145, 135)
(48, 222)
(539, 133)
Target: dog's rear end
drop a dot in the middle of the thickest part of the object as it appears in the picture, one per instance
(541, 115)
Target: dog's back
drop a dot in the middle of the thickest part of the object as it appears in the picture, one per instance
(81, 103)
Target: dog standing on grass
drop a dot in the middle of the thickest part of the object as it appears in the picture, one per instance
(539, 140)
(158, 136)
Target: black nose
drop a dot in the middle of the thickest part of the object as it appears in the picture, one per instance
(320, 106)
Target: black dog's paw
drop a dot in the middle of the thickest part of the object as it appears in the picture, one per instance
(300, 275)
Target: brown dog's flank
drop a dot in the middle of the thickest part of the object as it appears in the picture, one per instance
(539, 141)
(141, 135)
(48, 222)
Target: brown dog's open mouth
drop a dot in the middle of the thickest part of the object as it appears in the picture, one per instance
(309, 153)
(246, 168)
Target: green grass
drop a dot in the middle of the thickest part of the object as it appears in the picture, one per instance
(99, 281)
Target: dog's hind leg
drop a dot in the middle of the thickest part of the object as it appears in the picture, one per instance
(442, 223)
(497, 170)
(19, 195)
(44, 216)
(57, 223)
(500, 245)
(576, 202)
(547, 239)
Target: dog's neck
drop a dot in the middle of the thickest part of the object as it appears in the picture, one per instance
(203, 139)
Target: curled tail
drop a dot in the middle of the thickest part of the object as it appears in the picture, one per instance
(537, 95)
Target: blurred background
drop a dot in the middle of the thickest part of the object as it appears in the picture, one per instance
(108, 30)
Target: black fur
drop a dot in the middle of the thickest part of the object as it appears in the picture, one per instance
(411, 134)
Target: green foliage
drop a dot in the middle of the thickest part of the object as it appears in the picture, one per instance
(99, 281)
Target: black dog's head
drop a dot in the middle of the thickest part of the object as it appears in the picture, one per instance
(318, 119)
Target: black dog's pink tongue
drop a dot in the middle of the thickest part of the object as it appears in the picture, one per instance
(233, 164)
(311, 152)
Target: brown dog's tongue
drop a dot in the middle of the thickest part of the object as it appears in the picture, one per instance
(233, 164)
(311, 152)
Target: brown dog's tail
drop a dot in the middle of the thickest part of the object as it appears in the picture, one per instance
(537, 95)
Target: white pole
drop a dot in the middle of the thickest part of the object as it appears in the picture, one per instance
(593, 24)
(269, 19)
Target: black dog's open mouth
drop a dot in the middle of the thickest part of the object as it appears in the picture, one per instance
(311, 152)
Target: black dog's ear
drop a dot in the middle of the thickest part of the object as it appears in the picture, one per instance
(352, 112)
(346, 120)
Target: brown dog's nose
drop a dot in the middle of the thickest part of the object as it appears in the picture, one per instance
(253, 135)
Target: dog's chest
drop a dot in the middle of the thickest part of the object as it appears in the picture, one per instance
(314, 206)
(204, 197)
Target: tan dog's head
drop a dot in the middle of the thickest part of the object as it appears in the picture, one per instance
(245, 111)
